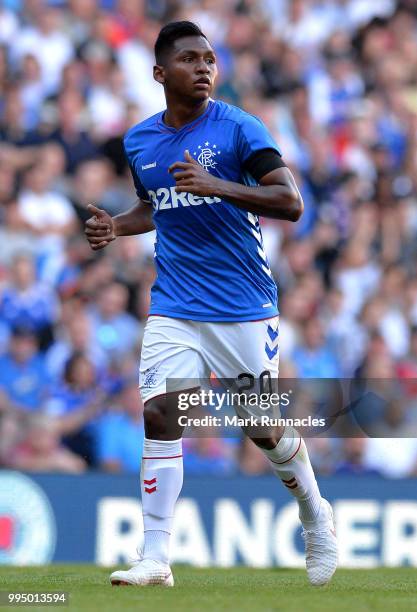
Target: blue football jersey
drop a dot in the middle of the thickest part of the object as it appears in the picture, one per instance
(209, 254)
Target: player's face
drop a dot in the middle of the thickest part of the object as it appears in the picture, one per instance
(190, 69)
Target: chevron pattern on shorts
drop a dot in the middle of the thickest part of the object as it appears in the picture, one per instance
(271, 347)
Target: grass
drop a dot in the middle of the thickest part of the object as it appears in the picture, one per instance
(214, 590)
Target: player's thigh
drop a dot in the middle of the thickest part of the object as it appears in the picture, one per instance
(250, 347)
(246, 356)
(170, 358)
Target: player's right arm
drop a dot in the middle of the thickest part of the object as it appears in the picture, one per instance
(101, 228)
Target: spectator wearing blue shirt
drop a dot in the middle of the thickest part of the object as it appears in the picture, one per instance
(76, 403)
(120, 434)
(313, 358)
(23, 374)
(116, 331)
(353, 459)
(27, 303)
(206, 455)
(75, 334)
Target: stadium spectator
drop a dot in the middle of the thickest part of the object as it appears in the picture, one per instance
(41, 450)
(205, 455)
(44, 39)
(75, 403)
(116, 331)
(120, 433)
(25, 302)
(23, 375)
(313, 358)
(46, 212)
(402, 453)
(72, 130)
(353, 463)
(32, 92)
(95, 181)
(51, 157)
(74, 336)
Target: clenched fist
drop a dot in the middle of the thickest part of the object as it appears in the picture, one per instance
(99, 229)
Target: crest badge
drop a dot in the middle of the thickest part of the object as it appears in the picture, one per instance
(206, 155)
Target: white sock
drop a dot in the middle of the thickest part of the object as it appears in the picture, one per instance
(156, 545)
(161, 483)
(291, 463)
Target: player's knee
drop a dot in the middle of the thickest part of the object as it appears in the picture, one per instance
(267, 439)
(267, 443)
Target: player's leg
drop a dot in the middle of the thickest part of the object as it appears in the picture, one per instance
(252, 348)
(169, 351)
(288, 456)
(289, 460)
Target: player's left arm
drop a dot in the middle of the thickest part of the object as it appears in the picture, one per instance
(276, 195)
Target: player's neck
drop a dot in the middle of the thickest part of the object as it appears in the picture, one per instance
(179, 114)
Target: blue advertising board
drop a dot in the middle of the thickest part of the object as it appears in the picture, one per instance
(96, 518)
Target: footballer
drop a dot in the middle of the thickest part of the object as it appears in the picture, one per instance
(204, 171)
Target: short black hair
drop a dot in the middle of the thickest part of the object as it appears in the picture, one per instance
(172, 32)
(20, 331)
(70, 364)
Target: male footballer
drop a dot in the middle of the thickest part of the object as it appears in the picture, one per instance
(204, 171)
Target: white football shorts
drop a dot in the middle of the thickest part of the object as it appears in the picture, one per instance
(186, 351)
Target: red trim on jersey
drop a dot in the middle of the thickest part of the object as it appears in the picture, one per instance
(173, 457)
(292, 456)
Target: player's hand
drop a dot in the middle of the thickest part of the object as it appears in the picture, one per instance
(99, 229)
(192, 178)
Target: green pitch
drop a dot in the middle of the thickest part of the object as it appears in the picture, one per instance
(213, 590)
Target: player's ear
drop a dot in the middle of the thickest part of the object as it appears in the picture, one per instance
(159, 74)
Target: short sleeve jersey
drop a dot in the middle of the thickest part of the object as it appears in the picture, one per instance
(209, 254)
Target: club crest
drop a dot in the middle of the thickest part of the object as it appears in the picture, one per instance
(206, 155)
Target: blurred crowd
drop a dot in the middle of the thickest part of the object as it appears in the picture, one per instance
(336, 83)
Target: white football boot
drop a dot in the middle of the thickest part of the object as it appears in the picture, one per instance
(321, 547)
(144, 572)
